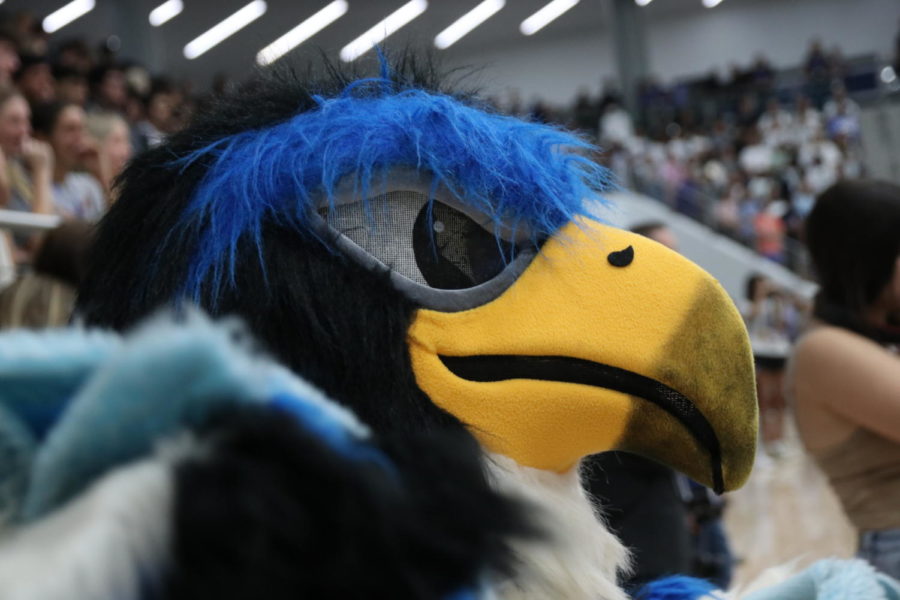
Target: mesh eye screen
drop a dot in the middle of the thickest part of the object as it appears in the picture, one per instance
(432, 244)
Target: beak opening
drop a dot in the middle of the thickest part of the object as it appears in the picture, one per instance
(572, 370)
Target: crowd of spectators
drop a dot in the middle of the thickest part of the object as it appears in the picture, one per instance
(741, 156)
(744, 156)
(71, 115)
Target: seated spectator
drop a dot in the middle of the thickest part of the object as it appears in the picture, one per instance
(160, 119)
(109, 90)
(819, 176)
(774, 122)
(76, 195)
(29, 32)
(756, 157)
(727, 211)
(26, 164)
(75, 54)
(9, 58)
(765, 315)
(615, 125)
(45, 295)
(35, 79)
(109, 132)
(807, 121)
(769, 228)
(8, 266)
(844, 122)
(71, 86)
(840, 102)
(804, 199)
(821, 148)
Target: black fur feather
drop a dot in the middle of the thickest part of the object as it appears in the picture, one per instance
(274, 513)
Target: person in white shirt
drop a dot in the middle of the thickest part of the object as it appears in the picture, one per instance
(76, 195)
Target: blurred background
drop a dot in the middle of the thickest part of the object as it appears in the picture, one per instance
(722, 120)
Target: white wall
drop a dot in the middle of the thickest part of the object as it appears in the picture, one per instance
(552, 70)
(691, 42)
(737, 30)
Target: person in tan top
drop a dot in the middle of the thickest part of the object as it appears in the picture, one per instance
(844, 375)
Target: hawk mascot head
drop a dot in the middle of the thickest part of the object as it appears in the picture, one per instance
(434, 269)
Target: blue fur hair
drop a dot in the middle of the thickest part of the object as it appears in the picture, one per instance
(675, 588)
(521, 174)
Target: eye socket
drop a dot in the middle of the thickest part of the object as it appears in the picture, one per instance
(431, 243)
(453, 252)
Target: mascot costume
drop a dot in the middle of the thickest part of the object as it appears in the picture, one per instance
(418, 331)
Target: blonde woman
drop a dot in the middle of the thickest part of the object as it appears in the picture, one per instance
(112, 140)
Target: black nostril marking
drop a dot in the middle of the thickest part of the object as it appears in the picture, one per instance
(621, 258)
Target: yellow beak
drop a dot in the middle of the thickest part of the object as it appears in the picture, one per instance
(589, 351)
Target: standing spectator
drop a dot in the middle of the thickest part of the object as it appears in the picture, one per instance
(761, 75)
(837, 66)
(584, 113)
(845, 375)
(818, 71)
(897, 52)
(76, 195)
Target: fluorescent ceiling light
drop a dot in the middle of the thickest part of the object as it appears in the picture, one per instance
(711, 3)
(224, 29)
(66, 14)
(302, 32)
(383, 29)
(467, 23)
(545, 16)
(642, 2)
(166, 12)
